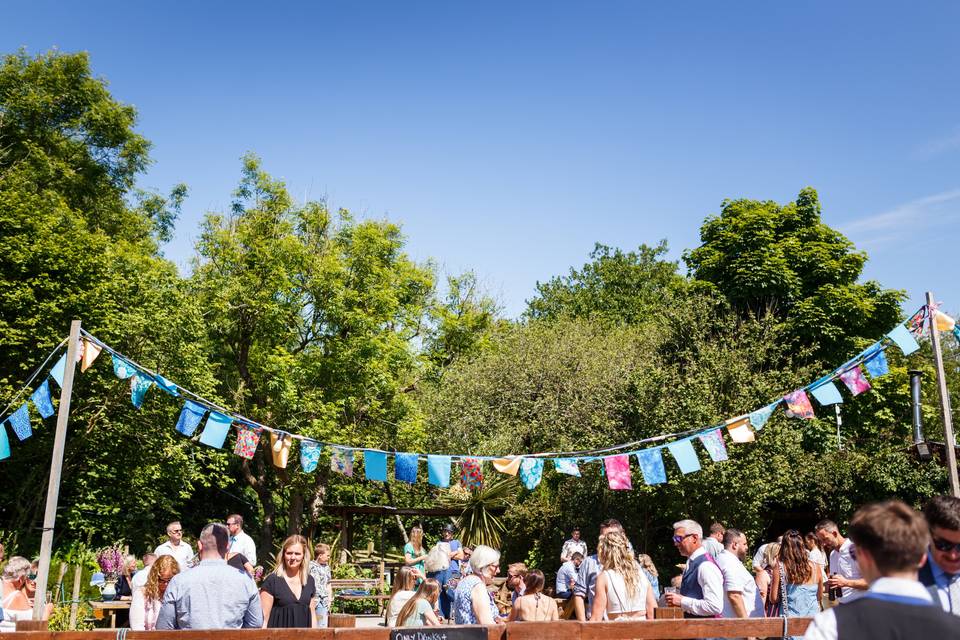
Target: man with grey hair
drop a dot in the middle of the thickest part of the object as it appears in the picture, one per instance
(701, 588)
(212, 595)
(175, 546)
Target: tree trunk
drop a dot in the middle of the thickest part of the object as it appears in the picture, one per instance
(295, 512)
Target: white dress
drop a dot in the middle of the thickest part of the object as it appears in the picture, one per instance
(619, 602)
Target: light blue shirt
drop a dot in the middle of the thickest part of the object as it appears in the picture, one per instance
(567, 572)
(948, 587)
(212, 595)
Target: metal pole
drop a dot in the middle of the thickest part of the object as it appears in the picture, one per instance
(836, 408)
(915, 397)
(949, 439)
(56, 466)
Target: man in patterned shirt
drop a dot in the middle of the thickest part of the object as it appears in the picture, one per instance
(572, 546)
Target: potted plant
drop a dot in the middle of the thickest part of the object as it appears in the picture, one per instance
(110, 560)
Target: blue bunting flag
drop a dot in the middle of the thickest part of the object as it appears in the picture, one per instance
(568, 466)
(166, 385)
(713, 442)
(405, 467)
(4, 441)
(685, 456)
(41, 399)
(309, 455)
(121, 368)
(438, 469)
(140, 383)
(20, 422)
(190, 417)
(877, 365)
(216, 429)
(904, 339)
(651, 464)
(531, 471)
(375, 465)
(59, 369)
(760, 417)
(827, 394)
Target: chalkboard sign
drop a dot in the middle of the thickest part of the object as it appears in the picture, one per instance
(439, 633)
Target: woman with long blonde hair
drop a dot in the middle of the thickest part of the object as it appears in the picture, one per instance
(622, 591)
(145, 606)
(287, 594)
(413, 552)
(404, 586)
(419, 610)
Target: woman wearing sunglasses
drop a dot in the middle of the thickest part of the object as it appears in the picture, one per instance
(18, 578)
(145, 606)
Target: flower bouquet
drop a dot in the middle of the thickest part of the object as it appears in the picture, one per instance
(110, 560)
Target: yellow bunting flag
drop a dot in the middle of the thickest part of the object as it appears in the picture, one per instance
(741, 432)
(510, 466)
(280, 446)
(90, 352)
(943, 322)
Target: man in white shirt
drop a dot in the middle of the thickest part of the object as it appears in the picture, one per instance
(742, 598)
(572, 546)
(891, 540)
(139, 579)
(240, 542)
(176, 547)
(844, 570)
(701, 587)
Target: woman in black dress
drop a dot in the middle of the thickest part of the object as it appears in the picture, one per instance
(286, 595)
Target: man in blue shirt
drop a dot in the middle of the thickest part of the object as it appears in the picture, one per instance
(212, 595)
(941, 573)
(567, 576)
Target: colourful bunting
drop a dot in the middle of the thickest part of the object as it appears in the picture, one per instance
(280, 443)
(140, 383)
(685, 456)
(438, 470)
(713, 442)
(167, 386)
(943, 322)
(190, 417)
(618, 472)
(4, 441)
(827, 394)
(41, 400)
(248, 439)
(956, 333)
(90, 352)
(651, 465)
(877, 365)
(20, 422)
(509, 466)
(741, 433)
(567, 466)
(341, 460)
(215, 430)
(375, 465)
(904, 339)
(310, 455)
(122, 369)
(531, 471)
(798, 405)
(405, 467)
(855, 381)
(760, 417)
(471, 474)
(59, 369)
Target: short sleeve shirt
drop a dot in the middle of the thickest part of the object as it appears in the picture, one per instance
(843, 564)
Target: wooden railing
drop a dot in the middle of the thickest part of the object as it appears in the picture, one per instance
(563, 630)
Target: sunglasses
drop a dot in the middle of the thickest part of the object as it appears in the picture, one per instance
(679, 539)
(945, 545)
(164, 580)
(31, 576)
(175, 531)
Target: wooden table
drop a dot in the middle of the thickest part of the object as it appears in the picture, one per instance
(102, 609)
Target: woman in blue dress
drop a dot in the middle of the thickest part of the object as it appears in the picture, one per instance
(797, 580)
(472, 601)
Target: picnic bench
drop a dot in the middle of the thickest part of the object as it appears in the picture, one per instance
(360, 589)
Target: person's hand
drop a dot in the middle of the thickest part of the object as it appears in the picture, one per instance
(673, 599)
(835, 581)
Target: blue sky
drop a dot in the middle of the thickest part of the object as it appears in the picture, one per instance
(507, 138)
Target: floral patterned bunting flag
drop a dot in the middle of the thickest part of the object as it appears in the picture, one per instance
(341, 460)
(531, 471)
(20, 422)
(41, 399)
(248, 438)
(139, 385)
(760, 417)
(121, 368)
(567, 466)
(713, 442)
(309, 455)
(190, 417)
(798, 405)
(471, 474)
(855, 381)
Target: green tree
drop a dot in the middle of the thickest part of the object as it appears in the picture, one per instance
(765, 257)
(313, 317)
(615, 286)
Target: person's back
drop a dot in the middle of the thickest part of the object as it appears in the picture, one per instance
(212, 595)
(535, 607)
(620, 602)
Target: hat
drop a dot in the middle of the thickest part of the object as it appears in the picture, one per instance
(449, 527)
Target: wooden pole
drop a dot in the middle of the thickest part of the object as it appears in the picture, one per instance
(75, 596)
(949, 439)
(56, 466)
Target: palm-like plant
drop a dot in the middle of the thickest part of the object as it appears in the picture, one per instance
(481, 521)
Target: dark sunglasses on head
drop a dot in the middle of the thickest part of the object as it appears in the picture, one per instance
(946, 545)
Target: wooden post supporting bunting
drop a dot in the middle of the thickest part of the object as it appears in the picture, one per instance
(949, 439)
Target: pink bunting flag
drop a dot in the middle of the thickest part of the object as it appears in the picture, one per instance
(798, 405)
(618, 472)
(855, 381)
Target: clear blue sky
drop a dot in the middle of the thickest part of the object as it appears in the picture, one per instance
(509, 137)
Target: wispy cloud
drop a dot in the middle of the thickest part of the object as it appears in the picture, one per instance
(945, 144)
(881, 228)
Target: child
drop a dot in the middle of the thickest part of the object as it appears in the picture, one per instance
(403, 590)
(320, 570)
(419, 610)
(533, 605)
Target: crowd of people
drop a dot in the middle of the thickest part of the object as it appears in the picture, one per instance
(897, 572)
